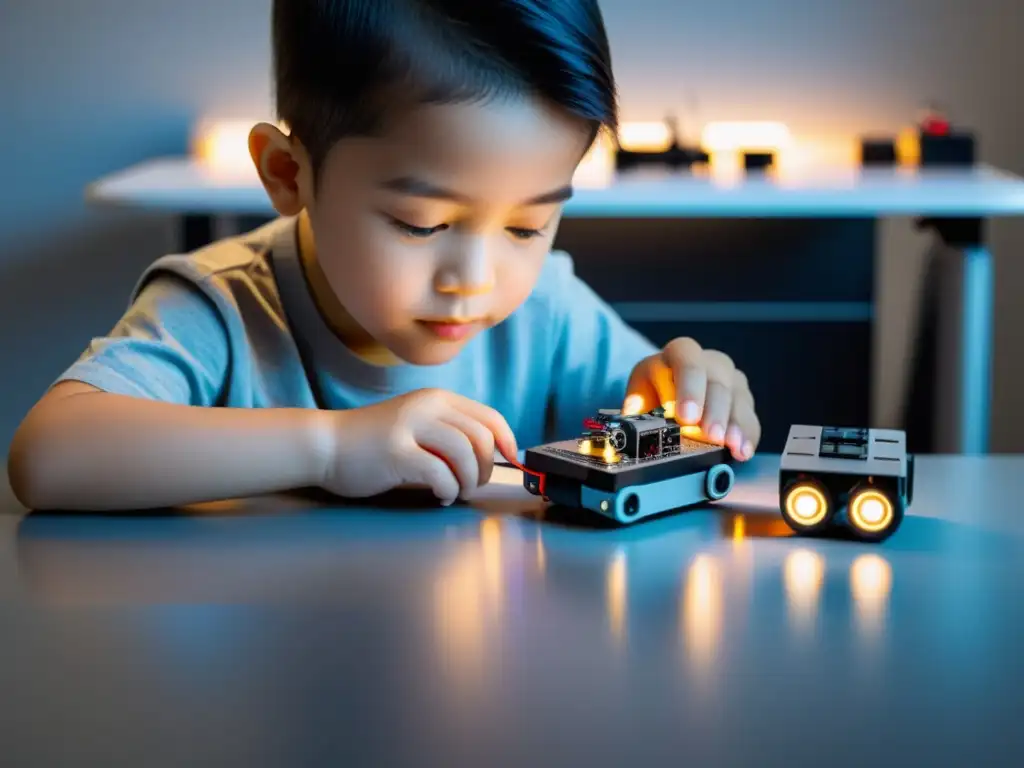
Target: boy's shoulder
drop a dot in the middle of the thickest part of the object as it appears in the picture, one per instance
(227, 263)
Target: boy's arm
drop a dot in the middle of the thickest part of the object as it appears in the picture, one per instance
(130, 425)
(595, 354)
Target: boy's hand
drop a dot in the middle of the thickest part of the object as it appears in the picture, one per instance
(429, 438)
(701, 387)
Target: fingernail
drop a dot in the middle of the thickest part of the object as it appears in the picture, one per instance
(717, 433)
(733, 438)
(691, 412)
(633, 405)
(748, 450)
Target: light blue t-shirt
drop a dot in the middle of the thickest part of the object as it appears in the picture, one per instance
(234, 325)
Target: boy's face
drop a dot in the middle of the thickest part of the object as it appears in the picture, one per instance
(439, 228)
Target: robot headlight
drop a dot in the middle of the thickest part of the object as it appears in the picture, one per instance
(871, 510)
(806, 504)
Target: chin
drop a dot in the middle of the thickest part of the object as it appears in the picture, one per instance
(430, 353)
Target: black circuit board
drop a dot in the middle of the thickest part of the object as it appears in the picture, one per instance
(568, 450)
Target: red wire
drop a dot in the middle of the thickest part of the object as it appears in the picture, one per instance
(539, 475)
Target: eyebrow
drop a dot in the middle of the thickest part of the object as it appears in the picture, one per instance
(409, 185)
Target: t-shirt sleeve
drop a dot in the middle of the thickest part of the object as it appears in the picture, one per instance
(170, 346)
(595, 352)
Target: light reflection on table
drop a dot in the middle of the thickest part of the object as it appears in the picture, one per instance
(507, 630)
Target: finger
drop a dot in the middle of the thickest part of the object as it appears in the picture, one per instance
(743, 416)
(685, 359)
(480, 438)
(427, 468)
(720, 367)
(641, 394)
(742, 385)
(721, 375)
(717, 409)
(747, 425)
(504, 437)
(653, 377)
(453, 447)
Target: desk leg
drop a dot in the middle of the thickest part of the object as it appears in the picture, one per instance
(974, 332)
(976, 347)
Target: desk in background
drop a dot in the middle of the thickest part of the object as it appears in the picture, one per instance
(789, 294)
(283, 632)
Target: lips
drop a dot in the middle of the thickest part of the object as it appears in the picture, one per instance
(451, 330)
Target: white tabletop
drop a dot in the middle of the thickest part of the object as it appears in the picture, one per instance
(499, 632)
(184, 185)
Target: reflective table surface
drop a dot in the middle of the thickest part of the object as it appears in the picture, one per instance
(293, 631)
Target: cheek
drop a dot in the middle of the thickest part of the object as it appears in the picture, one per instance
(374, 277)
(517, 275)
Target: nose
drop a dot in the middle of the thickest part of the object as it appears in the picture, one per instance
(468, 270)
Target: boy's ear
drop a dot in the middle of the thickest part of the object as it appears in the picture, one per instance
(283, 166)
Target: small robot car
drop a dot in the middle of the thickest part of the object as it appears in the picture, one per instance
(856, 480)
(627, 468)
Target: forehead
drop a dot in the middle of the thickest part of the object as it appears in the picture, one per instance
(496, 150)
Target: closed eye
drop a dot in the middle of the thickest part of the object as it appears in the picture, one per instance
(520, 233)
(524, 234)
(414, 231)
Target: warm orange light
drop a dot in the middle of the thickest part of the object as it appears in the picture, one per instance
(908, 147)
(701, 615)
(490, 551)
(223, 145)
(615, 594)
(645, 137)
(610, 456)
(870, 585)
(871, 511)
(804, 575)
(744, 136)
(460, 620)
(806, 505)
(690, 430)
(739, 528)
(607, 453)
(870, 579)
(724, 142)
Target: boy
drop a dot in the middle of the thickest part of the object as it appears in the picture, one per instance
(404, 317)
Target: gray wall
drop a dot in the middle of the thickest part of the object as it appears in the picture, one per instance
(89, 88)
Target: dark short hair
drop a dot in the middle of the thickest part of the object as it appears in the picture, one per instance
(342, 66)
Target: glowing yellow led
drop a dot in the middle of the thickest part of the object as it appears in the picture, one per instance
(871, 511)
(610, 455)
(690, 430)
(670, 409)
(603, 449)
(806, 505)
